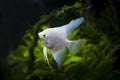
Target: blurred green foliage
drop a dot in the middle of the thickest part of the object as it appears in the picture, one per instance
(93, 62)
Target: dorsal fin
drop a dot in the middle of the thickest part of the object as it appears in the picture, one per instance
(69, 28)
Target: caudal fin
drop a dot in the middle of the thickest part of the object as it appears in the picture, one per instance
(74, 46)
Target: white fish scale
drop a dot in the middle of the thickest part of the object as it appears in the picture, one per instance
(57, 39)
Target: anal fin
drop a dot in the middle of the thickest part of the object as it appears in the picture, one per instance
(59, 56)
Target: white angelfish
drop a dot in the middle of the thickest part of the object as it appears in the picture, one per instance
(56, 39)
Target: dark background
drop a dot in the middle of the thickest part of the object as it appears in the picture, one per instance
(16, 16)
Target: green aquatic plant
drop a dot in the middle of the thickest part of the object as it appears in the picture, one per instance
(94, 61)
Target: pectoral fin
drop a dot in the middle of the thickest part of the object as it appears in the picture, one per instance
(59, 56)
(46, 58)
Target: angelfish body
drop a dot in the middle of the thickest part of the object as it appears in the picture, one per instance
(56, 39)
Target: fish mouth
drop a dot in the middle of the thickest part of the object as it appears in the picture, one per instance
(45, 43)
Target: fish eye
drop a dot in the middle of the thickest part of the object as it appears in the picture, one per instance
(44, 35)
